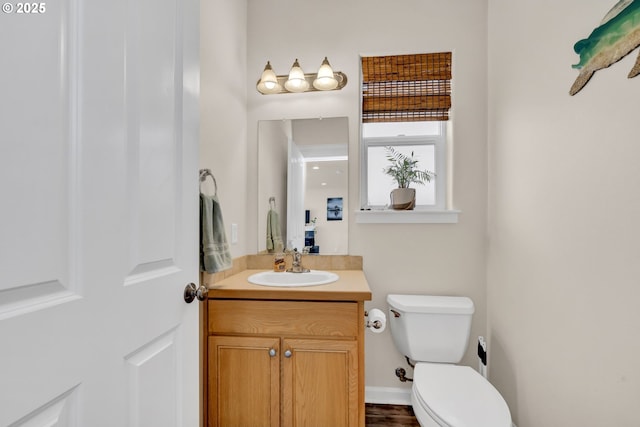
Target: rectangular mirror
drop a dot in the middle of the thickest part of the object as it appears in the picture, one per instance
(303, 181)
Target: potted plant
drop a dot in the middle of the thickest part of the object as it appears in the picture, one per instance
(403, 169)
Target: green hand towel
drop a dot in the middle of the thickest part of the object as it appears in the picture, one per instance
(214, 249)
(274, 237)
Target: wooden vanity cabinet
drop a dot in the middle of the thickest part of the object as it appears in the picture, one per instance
(320, 383)
(285, 363)
(244, 381)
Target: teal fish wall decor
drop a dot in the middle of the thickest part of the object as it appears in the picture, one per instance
(616, 37)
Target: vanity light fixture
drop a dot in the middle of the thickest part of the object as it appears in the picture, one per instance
(325, 79)
(269, 81)
(297, 81)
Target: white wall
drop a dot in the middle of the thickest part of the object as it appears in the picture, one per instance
(331, 236)
(329, 136)
(272, 180)
(417, 258)
(563, 282)
(223, 109)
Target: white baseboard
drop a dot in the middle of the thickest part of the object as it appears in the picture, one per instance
(387, 395)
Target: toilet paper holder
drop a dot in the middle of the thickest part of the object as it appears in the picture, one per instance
(376, 324)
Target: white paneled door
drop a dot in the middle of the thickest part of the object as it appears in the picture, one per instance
(98, 215)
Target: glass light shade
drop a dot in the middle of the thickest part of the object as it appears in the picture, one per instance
(296, 81)
(268, 81)
(325, 79)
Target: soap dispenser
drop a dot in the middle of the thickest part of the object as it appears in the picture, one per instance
(279, 264)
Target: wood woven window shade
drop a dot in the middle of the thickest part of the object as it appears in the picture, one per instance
(406, 88)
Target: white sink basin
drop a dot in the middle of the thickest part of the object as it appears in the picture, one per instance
(285, 279)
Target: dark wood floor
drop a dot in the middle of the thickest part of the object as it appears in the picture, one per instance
(389, 416)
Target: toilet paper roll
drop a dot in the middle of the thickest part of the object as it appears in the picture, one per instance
(377, 321)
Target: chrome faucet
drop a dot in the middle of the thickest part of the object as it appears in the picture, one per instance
(296, 266)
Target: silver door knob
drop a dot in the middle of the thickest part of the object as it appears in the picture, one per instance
(191, 293)
(272, 352)
(287, 353)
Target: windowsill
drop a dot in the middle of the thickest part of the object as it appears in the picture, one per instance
(389, 216)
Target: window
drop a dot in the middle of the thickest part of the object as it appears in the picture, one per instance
(426, 140)
(405, 105)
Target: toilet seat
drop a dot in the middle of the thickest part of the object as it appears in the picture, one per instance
(458, 396)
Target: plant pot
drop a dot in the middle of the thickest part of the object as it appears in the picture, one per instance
(403, 198)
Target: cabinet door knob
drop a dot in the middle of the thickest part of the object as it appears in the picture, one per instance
(272, 352)
(287, 353)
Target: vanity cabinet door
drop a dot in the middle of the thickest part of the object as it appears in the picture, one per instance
(244, 381)
(320, 383)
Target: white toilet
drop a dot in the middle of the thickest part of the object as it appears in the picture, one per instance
(433, 331)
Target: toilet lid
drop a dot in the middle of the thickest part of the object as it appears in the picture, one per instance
(458, 396)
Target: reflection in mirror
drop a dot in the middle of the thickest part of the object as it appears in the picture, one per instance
(303, 166)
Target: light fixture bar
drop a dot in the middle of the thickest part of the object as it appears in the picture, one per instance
(339, 76)
(310, 77)
(268, 87)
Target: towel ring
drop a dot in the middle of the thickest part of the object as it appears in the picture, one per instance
(204, 173)
(272, 203)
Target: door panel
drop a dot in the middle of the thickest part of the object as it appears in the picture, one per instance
(153, 90)
(320, 383)
(56, 413)
(245, 378)
(98, 168)
(37, 260)
(152, 382)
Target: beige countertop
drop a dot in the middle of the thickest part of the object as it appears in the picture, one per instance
(352, 285)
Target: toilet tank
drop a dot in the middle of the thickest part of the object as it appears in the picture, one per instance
(430, 328)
